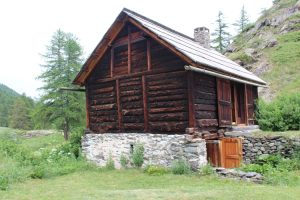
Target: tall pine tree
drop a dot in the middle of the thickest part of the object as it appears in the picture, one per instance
(221, 36)
(242, 23)
(63, 59)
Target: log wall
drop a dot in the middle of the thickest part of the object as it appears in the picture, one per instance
(205, 102)
(137, 87)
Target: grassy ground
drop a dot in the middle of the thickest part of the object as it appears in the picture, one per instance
(289, 134)
(133, 184)
(93, 183)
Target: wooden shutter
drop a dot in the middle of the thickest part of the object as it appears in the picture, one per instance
(224, 102)
(251, 97)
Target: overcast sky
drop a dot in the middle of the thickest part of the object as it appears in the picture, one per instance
(26, 27)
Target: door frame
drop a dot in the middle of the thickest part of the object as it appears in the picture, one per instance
(235, 106)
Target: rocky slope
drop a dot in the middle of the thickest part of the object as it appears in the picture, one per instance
(271, 48)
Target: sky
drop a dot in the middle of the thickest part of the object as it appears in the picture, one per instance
(26, 27)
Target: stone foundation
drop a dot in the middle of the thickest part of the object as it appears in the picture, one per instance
(160, 149)
(254, 147)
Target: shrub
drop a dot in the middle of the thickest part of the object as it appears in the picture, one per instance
(124, 161)
(3, 182)
(110, 163)
(206, 170)
(180, 167)
(138, 155)
(156, 170)
(280, 115)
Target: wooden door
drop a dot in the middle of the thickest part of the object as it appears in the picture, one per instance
(213, 152)
(224, 102)
(231, 152)
(240, 103)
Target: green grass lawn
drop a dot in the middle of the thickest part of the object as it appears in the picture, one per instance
(133, 184)
(94, 183)
(289, 134)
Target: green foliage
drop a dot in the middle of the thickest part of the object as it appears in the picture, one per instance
(124, 161)
(180, 167)
(63, 60)
(110, 163)
(22, 161)
(242, 23)
(242, 57)
(248, 27)
(138, 155)
(20, 113)
(156, 170)
(7, 97)
(221, 35)
(276, 169)
(206, 170)
(280, 115)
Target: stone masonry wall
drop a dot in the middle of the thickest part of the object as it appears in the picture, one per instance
(160, 149)
(254, 147)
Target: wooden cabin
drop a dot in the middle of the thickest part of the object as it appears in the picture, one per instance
(146, 77)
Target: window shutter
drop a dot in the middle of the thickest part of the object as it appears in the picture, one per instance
(224, 102)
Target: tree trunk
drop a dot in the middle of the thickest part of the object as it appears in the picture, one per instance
(66, 130)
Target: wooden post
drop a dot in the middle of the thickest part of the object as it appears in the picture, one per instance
(148, 55)
(145, 102)
(119, 105)
(190, 81)
(111, 62)
(129, 50)
(87, 108)
(246, 105)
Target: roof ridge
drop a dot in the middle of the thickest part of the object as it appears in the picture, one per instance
(157, 23)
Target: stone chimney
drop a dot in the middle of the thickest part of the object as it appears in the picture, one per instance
(202, 36)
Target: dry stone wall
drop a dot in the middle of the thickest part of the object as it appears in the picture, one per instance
(254, 147)
(160, 149)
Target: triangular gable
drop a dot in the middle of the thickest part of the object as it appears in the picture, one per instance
(183, 46)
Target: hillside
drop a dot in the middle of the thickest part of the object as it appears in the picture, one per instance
(7, 97)
(271, 48)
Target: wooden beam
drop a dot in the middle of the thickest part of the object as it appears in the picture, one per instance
(148, 55)
(190, 80)
(152, 72)
(135, 37)
(145, 103)
(129, 50)
(72, 89)
(111, 62)
(235, 104)
(87, 114)
(246, 104)
(119, 105)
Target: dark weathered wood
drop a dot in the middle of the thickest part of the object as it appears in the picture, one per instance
(205, 107)
(246, 104)
(176, 116)
(136, 111)
(145, 105)
(191, 105)
(111, 62)
(207, 122)
(224, 102)
(166, 92)
(167, 104)
(129, 50)
(119, 104)
(149, 67)
(169, 109)
(87, 112)
(104, 107)
(168, 98)
(134, 126)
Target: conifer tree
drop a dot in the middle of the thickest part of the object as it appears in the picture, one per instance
(242, 23)
(221, 36)
(63, 60)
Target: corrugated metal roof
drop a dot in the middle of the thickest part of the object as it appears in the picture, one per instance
(193, 50)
